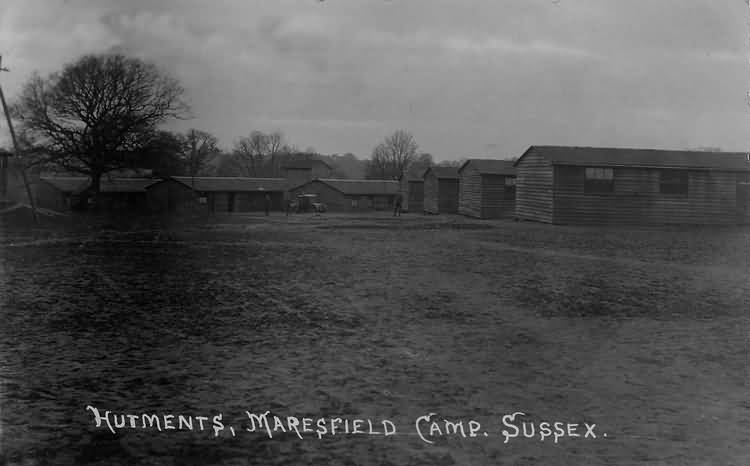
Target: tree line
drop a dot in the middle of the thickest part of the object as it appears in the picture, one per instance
(106, 112)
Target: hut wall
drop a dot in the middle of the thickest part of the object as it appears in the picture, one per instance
(534, 189)
(470, 192)
(337, 201)
(448, 196)
(430, 199)
(46, 196)
(711, 198)
(170, 196)
(498, 197)
(255, 201)
(333, 199)
(415, 196)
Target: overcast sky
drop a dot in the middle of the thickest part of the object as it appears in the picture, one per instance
(468, 78)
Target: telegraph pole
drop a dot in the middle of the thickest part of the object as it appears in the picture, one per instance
(17, 153)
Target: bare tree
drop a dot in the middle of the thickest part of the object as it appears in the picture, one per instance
(275, 148)
(379, 166)
(252, 151)
(393, 156)
(260, 153)
(99, 113)
(200, 148)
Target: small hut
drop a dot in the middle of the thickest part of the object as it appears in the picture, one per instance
(441, 190)
(487, 188)
(233, 194)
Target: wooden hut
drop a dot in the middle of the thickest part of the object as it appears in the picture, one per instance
(72, 192)
(414, 198)
(229, 194)
(170, 195)
(351, 195)
(441, 190)
(487, 188)
(591, 185)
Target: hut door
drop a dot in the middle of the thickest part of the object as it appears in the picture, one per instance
(230, 202)
(743, 201)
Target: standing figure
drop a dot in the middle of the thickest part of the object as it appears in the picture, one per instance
(267, 203)
(397, 205)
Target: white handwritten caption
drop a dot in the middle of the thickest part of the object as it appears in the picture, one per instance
(428, 427)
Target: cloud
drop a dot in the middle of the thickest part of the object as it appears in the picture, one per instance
(463, 76)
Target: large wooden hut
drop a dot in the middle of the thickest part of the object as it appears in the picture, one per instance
(72, 192)
(229, 194)
(487, 188)
(592, 185)
(441, 190)
(351, 195)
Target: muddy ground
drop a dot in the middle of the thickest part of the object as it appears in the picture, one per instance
(642, 332)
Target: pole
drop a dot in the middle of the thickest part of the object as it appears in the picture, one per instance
(15, 149)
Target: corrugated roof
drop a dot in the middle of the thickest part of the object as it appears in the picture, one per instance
(78, 184)
(657, 158)
(491, 166)
(232, 183)
(443, 172)
(362, 187)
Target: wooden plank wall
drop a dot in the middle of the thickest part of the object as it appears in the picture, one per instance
(494, 202)
(534, 178)
(448, 196)
(415, 196)
(431, 194)
(470, 192)
(711, 199)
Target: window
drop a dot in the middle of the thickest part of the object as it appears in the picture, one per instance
(673, 182)
(510, 181)
(598, 180)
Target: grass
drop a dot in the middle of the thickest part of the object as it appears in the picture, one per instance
(643, 332)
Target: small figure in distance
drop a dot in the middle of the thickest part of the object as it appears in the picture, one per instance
(267, 202)
(397, 205)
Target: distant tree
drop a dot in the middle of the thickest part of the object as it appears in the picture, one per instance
(199, 148)
(261, 154)
(228, 164)
(99, 114)
(163, 154)
(378, 166)
(420, 164)
(346, 166)
(392, 157)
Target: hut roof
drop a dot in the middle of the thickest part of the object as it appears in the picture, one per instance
(443, 172)
(651, 158)
(232, 183)
(362, 187)
(78, 184)
(491, 166)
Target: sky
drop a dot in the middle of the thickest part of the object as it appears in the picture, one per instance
(468, 78)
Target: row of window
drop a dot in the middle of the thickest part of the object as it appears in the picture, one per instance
(602, 180)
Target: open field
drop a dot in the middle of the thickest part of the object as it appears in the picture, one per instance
(643, 332)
